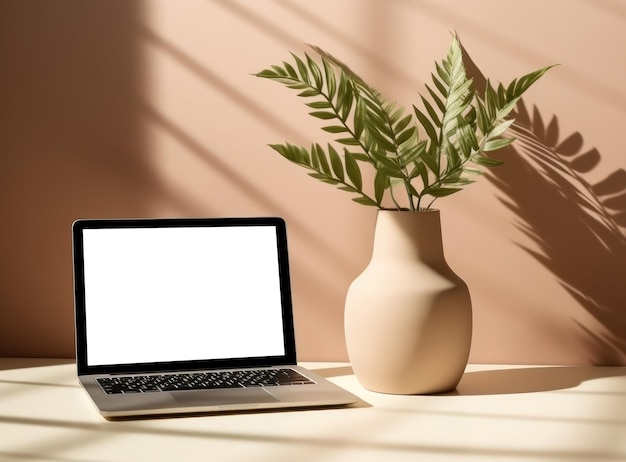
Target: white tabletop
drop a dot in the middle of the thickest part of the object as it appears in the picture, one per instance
(499, 413)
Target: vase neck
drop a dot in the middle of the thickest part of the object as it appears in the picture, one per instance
(408, 235)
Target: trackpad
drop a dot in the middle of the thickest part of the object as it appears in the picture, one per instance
(224, 396)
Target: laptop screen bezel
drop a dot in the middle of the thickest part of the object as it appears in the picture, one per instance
(84, 368)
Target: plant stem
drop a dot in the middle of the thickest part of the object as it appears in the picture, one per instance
(410, 196)
(395, 202)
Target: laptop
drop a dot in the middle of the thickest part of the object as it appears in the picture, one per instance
(188, 316)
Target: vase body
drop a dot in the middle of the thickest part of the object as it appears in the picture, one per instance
(408, 316)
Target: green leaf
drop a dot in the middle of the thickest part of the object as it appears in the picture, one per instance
(443, 75)
(381, 156)
(430, 160)
(405, 135)
(394, 113)
(443, 88)
(353, 171)
(403, 123)
(314, 70)
(359, 119)
(442, 192)
(279, 71)
(438, 101)
(345, 96)
(392, 172)
(302, 69)
(298, 86)
(497, 143)
(364, 201)
(335, 129)
(324, 179)
(381, 140)
(331, 181)
(431, 112)
(490, 101)
(348, 141)
(506, 109)
(411, 189)
(324, 115)
(422, 172)
(485, 161)
(319, 105)
(315, 160)
(482, 118)
(290, 70)
(423, 119)
(413, 154)
(453, 157)
(324, 166)
(381, 182)
(292, 153)
(519, 86)
(309, 92)
(361, 157)
(335, 162)
(500, 128)
(331, 83)
(267, 74)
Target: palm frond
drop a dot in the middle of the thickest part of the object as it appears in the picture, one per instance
(459, 127)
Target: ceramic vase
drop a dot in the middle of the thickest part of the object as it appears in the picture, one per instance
(408, 316)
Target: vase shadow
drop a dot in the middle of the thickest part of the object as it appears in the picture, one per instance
(575, 225)
(329, 372)
(530, 380)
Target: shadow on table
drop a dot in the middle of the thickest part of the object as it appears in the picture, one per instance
(329, 372)
(24, 363)
(530, 380)
(512, 381)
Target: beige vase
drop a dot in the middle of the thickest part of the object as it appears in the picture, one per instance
(408, 316)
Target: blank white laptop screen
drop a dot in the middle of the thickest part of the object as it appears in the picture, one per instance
(182, 293)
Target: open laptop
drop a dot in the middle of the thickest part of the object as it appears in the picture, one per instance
(188, 315)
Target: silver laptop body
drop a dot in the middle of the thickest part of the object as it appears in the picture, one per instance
(157, 300)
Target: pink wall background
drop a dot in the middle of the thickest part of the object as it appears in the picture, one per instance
(142, 109)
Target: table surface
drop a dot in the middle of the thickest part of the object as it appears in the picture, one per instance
(498, 413)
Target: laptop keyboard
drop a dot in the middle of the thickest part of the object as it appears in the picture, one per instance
(202, 381)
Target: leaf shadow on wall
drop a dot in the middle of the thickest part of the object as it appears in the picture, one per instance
(73, 146)
(574, 223)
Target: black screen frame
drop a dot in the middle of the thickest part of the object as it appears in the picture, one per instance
(290, 356)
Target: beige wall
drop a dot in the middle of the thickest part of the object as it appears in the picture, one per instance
(116, 109)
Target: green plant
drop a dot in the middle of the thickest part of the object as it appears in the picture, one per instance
(458, 126)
